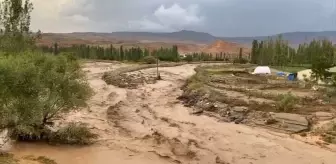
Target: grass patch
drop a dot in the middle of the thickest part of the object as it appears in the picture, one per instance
(286, 102)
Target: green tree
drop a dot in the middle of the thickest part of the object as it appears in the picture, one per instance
(15, 22)
(122, 53)
(175, 53)
(254, 52)
(240, 53)
(35, 88)
(322, 53)
(56, 50)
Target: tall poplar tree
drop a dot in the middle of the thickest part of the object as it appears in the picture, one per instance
(15, 21)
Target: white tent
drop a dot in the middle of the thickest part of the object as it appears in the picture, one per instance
(262, 70)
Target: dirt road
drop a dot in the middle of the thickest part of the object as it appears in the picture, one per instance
(149, 125)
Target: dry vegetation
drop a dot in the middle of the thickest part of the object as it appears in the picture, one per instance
(235, 95)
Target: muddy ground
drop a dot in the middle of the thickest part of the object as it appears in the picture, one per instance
(148, 124)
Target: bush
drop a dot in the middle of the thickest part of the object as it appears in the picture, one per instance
(149, 60)
(36, 87)
(286, 102)
(74, 134)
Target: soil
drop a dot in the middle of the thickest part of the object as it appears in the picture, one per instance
(147, 124)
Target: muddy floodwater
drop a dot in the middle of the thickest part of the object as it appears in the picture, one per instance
(148, 125)
(84, 155)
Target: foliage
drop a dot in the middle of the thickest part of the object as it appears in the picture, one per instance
(35, 88)
(273, 51)
(149, 60)
(319, 54)
(112, 53)
(322, 53)
(74, 133)
(15, 35)
(286, 102)
(254, 52)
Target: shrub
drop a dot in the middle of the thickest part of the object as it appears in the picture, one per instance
(74, 134)
(36, 87)
(149, 60)
(286, 102)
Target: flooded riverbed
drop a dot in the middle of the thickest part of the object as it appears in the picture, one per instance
(149, 126)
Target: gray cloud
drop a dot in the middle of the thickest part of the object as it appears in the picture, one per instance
(218, 17)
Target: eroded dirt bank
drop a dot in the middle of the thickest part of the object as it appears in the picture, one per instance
(149, 125)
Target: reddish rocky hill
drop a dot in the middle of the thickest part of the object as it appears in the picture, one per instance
(221, 46)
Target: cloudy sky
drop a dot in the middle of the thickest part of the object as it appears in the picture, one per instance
(218, 17)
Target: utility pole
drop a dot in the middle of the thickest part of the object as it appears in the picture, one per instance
(157, 68)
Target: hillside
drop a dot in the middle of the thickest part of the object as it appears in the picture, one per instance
(221, 46)
(183, 36)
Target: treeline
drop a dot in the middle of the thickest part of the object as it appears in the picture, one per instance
(272, 52)
(113, 53)
(136, 53)
(277, 52)
(202, 56)
(319, 55)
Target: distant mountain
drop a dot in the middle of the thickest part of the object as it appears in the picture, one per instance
(294, 38)
(201, 37)
(183, 35)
